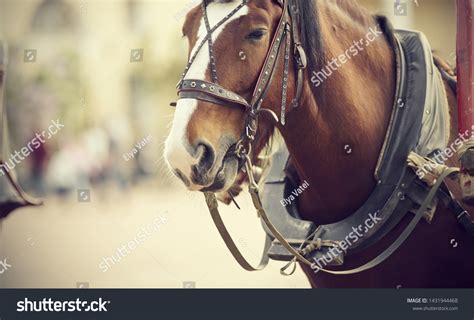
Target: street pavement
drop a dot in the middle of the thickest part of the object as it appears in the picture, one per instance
(144, 237)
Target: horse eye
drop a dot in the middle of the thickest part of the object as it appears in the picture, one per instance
(256, 35)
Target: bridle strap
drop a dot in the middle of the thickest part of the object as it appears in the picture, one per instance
(216, 93)
(209, 35)
(263, 84)
(284, 85)
(198, 91)
(266, 74)
(299, 53)
(209, 40)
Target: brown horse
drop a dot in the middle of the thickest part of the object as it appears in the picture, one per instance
(350, 109)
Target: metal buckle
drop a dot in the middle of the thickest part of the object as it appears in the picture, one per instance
(250, 132)
(300, 56)
(251, 128)
(240, 151)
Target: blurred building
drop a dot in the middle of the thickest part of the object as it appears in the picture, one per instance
(108, 64)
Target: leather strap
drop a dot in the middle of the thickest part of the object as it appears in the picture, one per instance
(404, 235)
(198, 89)
(253, 189)
(234, 250)
(211, 47)
(268, 69)
(220, 100)
(312, 245)
(299, 53)
(209, 35)
(284, 85)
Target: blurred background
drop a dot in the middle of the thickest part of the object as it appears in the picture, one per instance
(106, 70)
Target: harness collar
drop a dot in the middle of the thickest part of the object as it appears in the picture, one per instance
(397, 192)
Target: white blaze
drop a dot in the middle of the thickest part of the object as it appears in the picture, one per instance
(177, 145)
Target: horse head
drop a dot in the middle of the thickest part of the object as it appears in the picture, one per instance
(200, 147)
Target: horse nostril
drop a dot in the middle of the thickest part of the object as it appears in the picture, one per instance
(207, 156)
(205, 163)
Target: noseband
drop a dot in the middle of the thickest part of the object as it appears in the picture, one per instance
(210, 91)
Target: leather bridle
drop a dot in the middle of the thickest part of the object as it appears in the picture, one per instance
(286, 34)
